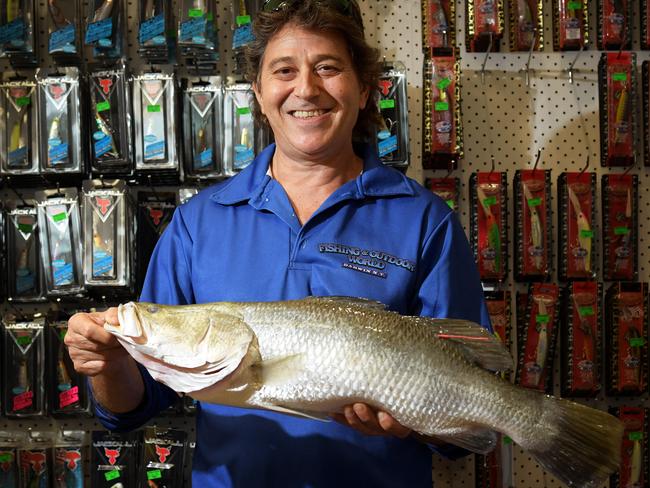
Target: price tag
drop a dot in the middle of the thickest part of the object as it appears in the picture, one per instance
(102, 106)
(23, 101)
(619, 76)
(587, 233)
(621, 231)
(111, 475)
(153, 108)
(59, 217)
(542, 318)
(635, 436)
(443, 84)
(637, 341)
(154, 475)
(489, 201)
(534, 202)
(243, 19)
(243, 110)
(388, 103)
(586, 311)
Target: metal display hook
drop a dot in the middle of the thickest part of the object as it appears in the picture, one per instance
(487, 55)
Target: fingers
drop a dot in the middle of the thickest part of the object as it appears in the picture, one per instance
(364, 419)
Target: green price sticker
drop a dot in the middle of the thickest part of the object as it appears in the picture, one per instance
(59, 217)
(489, 201)
(441, 106)
(153, 108)
(26, 228)
(111, 475)
(243, 19)
(154, 475)
(637, 341)
(24, 340)
(507, 440)
(635, 436)
(534, 202)
(62, 333)
(573, 5)
(621, 231)
(23, 101)
(619, 76)
(586, 311)
(243, 110)
(195, 12)
(451, 204)
(388, 103)
(443, 84)
(103, 106)
(6, 457)
(542, 318)
(587, 234)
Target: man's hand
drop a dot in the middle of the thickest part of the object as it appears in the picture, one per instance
(93, 350)
(365, 419)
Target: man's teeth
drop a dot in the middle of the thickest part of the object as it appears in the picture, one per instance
(301, 114)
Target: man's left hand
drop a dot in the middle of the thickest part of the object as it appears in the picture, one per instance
(369, 421)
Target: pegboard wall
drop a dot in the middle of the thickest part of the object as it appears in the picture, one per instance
(512, 109)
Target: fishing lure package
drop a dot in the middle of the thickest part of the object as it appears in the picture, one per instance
(66, 389)
(114, 459)
(202, 127)
(59, 223)
(570, 24)
(645, 24)
(532, 224)
(23, 365)
(60, 122)
(441, 115)
(645, 72)
(243, 11)
(438, 26)
(18, 32)
(576, 218)
(581, 339)
(617, 91)
(107, 223)
(154, 112)
(536, 341)
(197, 33)
(110, 124)
(184, 194)
(526, 23)
(155, 211)
(163, 452)
(446, 188)
(499, 310)
(24, 269)
(484, 20)
(69, 459)
(495, 470)
(155, 23)
(614, 25)
(18, 144)
(489, 224)
(633, 471)
(105, 28)
(620, 207)
(242, 140)
(64, 31)
(392, 135)
(626, 345)
(9, 443)
(35, 460)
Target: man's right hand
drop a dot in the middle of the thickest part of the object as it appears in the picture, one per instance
(116, 381)
(93, 350)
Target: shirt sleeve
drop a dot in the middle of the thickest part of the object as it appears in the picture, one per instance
(451, 288)
(168, 281)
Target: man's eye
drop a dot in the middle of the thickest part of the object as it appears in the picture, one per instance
(283, 71)
(327, 69)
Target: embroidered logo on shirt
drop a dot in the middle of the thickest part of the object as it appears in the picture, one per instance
(367, 261)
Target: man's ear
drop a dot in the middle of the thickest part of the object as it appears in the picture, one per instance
(363, 100)
(258, 96)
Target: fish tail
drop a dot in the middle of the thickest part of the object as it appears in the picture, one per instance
(580, 446)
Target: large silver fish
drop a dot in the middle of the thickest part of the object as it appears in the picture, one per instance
(313, 356)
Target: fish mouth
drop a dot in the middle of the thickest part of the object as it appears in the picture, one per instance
(131, 322)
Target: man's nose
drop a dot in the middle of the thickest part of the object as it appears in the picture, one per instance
(307, 85)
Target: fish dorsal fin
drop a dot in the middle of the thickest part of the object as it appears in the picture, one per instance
(474, 342)
(352, 301)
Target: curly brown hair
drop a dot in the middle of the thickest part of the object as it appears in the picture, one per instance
(317, 15)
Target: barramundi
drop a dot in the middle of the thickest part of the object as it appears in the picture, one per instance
(311, 357)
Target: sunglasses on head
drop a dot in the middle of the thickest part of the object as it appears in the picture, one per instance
(343, 6)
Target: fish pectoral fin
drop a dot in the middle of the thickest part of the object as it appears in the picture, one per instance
(281, 370)
(297, 413)
(474, 342)
(476, 440)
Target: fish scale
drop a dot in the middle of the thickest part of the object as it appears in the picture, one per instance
(313, 356)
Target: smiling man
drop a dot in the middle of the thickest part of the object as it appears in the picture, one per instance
(314, 214)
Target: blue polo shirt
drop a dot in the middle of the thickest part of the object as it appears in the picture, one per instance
(381, 236)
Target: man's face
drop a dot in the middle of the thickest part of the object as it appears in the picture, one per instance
(309, 92)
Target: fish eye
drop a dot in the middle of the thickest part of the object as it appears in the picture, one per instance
(152, 309)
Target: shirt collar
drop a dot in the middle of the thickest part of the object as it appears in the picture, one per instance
(377, 180)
